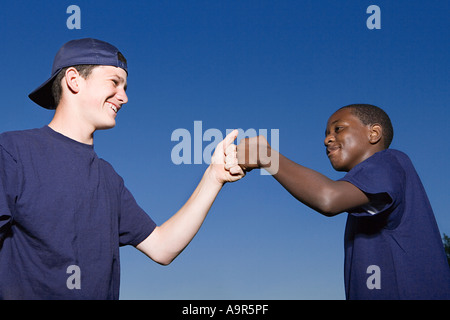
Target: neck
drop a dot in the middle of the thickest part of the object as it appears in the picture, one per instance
(71, 126)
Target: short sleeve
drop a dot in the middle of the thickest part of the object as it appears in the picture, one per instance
(382, 179)
(135, 225)
(8, 190)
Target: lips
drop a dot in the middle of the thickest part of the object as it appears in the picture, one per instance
(113, 106)
(332, 150)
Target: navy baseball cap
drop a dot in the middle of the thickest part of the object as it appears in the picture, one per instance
(73, 53)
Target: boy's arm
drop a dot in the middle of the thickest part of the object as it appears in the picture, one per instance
(310, 187)
(167, 241)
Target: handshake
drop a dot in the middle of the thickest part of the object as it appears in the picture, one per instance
(251, 153)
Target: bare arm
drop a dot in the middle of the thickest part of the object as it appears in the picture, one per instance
(167, 241)
(310, 187)
(317, 191)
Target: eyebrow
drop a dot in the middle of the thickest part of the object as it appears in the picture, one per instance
(121, 80)
(331, 124)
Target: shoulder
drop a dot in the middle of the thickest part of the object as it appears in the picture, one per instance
(107, 166)
(382, 171)
(21, 133)
(389, 162)
(383, 161)
(11, 145)
(110, 173)
(401, 158)
(392, 154)
(381, 174)
(11, 141)
(19, 136)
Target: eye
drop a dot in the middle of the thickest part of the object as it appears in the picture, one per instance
(338, 129)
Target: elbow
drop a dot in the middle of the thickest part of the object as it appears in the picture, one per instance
(163, 263)
(328, 212)
(164, 260)
(154, 247)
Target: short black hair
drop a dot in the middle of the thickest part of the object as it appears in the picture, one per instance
(369, 114)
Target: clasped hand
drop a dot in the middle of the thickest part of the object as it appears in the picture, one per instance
(254, 153)
(231, 162)
(224, 162)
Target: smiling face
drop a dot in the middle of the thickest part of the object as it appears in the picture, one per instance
(103, 94)
(348, 141)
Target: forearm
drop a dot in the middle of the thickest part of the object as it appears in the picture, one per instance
(184, 225)
(315, 190)
(306, 185)
(166, 242)
(169, 240)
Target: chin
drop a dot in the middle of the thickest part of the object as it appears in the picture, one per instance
(340, 167)
(106, 126)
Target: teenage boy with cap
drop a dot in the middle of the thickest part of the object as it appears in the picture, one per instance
(63, 209)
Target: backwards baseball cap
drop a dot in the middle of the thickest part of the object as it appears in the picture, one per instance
(73, 53)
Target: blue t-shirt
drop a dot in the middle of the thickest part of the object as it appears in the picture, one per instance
(393, 247)
(63, 215)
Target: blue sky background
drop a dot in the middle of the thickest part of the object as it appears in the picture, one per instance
(284, 65)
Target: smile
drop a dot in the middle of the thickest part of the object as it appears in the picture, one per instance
(113, 107)
(332, 150)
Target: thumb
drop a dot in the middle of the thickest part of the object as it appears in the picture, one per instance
(229, 139)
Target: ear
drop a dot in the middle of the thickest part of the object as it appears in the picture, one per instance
(72, 80)
(375, 133)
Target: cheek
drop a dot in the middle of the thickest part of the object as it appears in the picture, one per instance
(353, 140)
(354, 148)
(350, 147)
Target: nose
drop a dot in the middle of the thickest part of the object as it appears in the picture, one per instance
(328, 139)
(122, 96)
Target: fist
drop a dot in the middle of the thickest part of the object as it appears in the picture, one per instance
(224, 160)
(253, 153)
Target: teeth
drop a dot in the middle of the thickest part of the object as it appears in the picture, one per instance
(113, 107)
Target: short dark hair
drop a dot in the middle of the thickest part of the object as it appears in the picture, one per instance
(83, 69)
(369, 114)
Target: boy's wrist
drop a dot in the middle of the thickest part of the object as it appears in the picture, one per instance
(211, 177)
(264, 155)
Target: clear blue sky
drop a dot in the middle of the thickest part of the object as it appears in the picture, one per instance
(285, 65)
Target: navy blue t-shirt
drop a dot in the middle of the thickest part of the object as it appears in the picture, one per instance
(63, 215)
(393, 247)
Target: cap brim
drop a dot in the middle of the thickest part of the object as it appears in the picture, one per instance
(43, 95)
